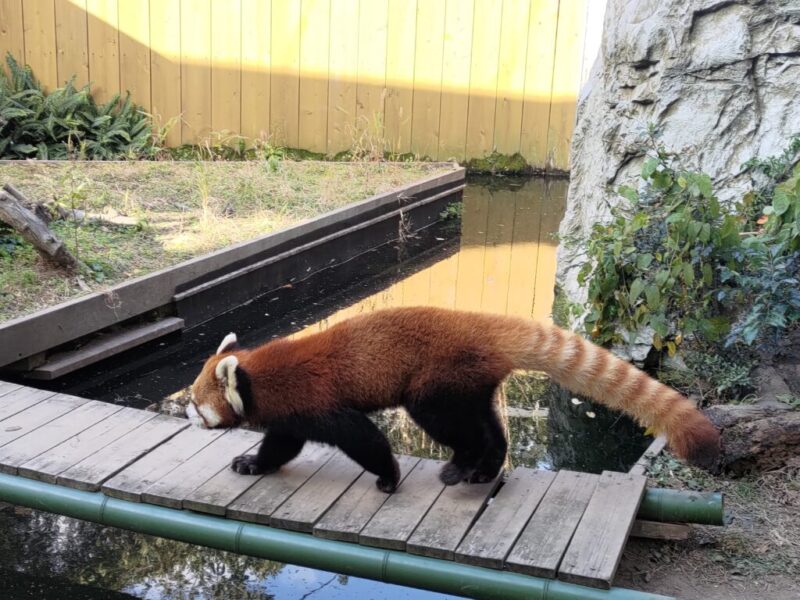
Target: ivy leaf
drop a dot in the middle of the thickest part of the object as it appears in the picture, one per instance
(653, 296)
(636, 289)
(629, 193)
(649, 167)
(643, 261)
(780, 201)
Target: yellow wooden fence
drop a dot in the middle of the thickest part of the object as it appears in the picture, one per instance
(439, 78)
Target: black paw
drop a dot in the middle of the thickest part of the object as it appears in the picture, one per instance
(388, 484)
(452, 474)
(247, 464)
(478, 477)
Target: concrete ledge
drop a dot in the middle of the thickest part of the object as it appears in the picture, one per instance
(310, 241)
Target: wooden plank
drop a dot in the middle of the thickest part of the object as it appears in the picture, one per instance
(91, 472)
(48, 465)
(483, 77)
(21, 450)
(343, 64)
(348, 516)
(511, 75)
(401, 39)
(427, 79)
(314, 45)
(399, 516)
(307, 505)
(497, 259)
(176, 485)
(37, 415)
(165, 67)
(449, 519)
(256, 60)
(489, 541)
(130, 483)
(371, 72)
(285, 68)
(594, 552)
(655, 530)
(72, 54)
(102, 347)
(474, 216)
(525, 249)
(455, 79)
(134, 51)
(103, 19)
(566, 81)
(21, 399)
(544, 540)
(538, 81)
(195, 70)
(269, 492)
(11, 32)
(226, 66)
(6, 387)
(40, 41)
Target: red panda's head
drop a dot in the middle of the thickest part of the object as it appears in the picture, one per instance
(215, 397)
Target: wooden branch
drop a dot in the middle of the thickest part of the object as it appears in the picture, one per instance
(14, 212)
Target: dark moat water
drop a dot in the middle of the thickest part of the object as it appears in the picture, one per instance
(496, 254)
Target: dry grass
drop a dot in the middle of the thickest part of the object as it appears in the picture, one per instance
(176, 210)
(756, 554)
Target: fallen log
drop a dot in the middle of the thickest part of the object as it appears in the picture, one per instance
(14, 212)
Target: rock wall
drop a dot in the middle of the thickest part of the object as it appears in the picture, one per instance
(721, 79)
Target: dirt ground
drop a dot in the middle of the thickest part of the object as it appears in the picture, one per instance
(755, 555)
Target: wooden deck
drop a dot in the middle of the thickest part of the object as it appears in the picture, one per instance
(565, 525)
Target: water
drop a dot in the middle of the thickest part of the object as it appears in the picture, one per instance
(497, 256)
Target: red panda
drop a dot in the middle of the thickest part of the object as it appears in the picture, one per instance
(443, 367)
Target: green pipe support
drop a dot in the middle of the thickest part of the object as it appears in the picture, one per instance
(299, 548)
(659, 504)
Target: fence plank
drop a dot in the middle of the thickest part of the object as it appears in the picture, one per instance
(511, 75)
(195, 70)
(165, 67)
(371, 77)
(401, 39)
(256, 64)
(343, 62)
(285, 71)
(538, 81)
(314, 50)
(39, 29)
(134, 51)
(12, 38)
(72, 55)
(103, 32)
(427, 79)
(456, 64)
(483, 77)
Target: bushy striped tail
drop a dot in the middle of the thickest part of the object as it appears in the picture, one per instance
(587, 369)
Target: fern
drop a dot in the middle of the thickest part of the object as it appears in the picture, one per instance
(67, 122)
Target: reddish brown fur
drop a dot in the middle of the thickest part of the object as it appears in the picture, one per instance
(390, 357)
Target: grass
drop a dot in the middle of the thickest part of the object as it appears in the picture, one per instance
(149, 215)
(758, 547)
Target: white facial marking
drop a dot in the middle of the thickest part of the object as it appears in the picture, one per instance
(227, 342)
(210, 415)
(194, 416)
(226, 373)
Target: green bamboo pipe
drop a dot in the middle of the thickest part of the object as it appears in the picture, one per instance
(660, 504)
(299, 548)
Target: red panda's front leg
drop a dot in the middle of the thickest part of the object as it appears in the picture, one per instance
(277, 449)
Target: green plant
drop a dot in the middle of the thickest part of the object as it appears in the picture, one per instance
(655, 265)
(67, 123)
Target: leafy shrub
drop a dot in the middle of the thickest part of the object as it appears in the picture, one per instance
(67, 122)
(677, 261)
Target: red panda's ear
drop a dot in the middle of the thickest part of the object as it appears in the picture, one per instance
(226, 374)
(229, 343)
